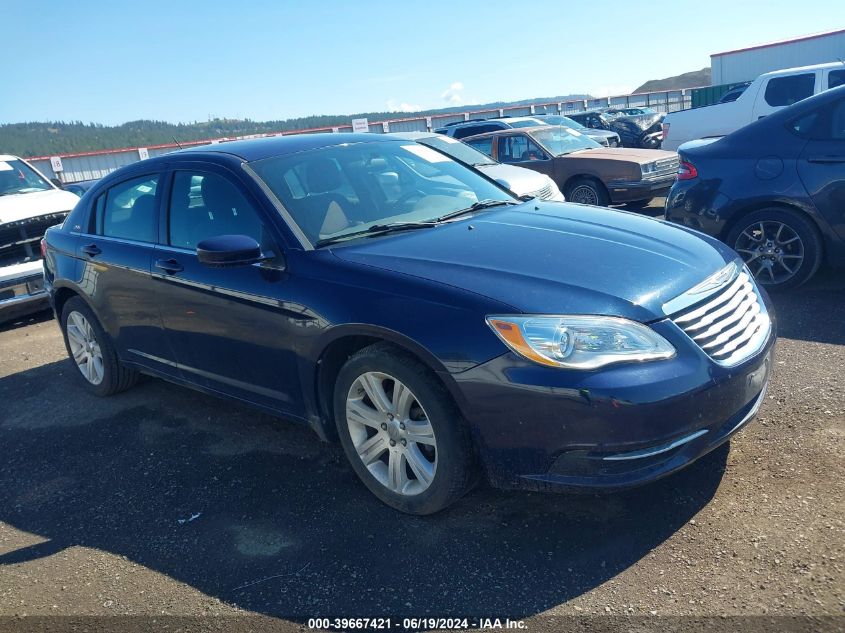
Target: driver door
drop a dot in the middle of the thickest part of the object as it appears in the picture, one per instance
(226, 326)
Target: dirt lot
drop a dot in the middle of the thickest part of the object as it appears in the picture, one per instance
(165, 501)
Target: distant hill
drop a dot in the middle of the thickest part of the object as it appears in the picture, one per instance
(692, 79)
(47, 138)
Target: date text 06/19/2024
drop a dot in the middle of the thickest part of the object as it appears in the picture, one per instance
(350, 624)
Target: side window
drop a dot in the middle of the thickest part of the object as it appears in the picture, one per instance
(836, 78)
(511, 148)
(128, 210)
(519, 149)
(204, 205)
(483, 145)
(784, 91)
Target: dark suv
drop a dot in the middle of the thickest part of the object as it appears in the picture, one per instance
(401, 302)
(462, 129)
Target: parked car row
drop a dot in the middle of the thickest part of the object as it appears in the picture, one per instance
(636, 127)
(585, 171)
(420, 299)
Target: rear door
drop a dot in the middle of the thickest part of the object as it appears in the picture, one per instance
(228, 326)
(822, 164)
(780, 92)
(116, 252)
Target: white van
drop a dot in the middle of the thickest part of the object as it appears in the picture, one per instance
(29, 204)
(768, 93)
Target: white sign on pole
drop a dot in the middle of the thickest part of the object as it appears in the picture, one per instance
(56, 164)
(335, 130)
(385, 127)
(428, 123)
(143, 153)
(360, 125)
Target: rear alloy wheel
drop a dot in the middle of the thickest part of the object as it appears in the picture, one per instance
(91, 350)
(401, 432)
(781, 248)
(587, 191)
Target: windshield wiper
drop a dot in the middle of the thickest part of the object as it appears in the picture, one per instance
(378, 229)
(475, 206)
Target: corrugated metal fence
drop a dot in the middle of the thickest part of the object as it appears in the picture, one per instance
(91, 165)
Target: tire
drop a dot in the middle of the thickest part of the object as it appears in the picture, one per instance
(103, 378)
(587, 191)
(774, 241)
(449, 462)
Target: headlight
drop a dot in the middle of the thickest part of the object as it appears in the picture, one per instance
(649, 168)
(579, 342)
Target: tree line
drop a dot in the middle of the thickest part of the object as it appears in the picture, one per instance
(61, 137)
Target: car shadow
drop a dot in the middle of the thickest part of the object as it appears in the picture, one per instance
(257, 512)
(813, 312)
(40, 316)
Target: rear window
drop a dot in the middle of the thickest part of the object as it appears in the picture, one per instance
(472, 130)
(784, 91)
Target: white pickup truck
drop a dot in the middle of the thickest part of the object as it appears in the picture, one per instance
(768, 93)
(29, 204)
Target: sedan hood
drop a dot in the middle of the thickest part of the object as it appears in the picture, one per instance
(518, 179)
(640, 156)
(554, 259)
(21, 206)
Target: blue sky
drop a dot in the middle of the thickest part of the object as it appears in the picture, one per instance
(185, 60)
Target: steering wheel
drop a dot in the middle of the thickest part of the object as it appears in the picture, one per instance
(410, 195)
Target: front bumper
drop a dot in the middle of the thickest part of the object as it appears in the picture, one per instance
(544, 428)
(22, 294)
(639, 190)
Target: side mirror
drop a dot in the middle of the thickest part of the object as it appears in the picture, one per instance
(57, 182)
(229, 251)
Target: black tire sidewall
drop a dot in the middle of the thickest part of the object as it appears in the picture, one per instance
(454, 451)
(109, 383)
(602, 199)
(802, 226)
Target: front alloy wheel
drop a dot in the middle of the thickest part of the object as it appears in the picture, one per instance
(401, 430)
(391, 433)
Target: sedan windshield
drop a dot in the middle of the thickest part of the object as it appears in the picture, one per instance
(347, 189)
(561, 141)
(18, 177)
(457, 150)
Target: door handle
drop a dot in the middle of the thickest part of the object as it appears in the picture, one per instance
(826, 159)
(91, 250)
(170, 266)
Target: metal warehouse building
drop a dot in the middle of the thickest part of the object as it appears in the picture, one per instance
(746, 64)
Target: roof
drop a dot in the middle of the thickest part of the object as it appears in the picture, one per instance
(804, 69)
(802, 38)
(5, 157)
(258, 148)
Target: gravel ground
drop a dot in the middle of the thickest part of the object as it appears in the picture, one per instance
(165, 501)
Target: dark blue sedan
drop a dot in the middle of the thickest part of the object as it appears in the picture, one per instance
(405, 304)
(773, 190)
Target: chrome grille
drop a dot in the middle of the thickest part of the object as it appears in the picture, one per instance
(19, 240)
(731, 324)
(544, 194)
(665, 167)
